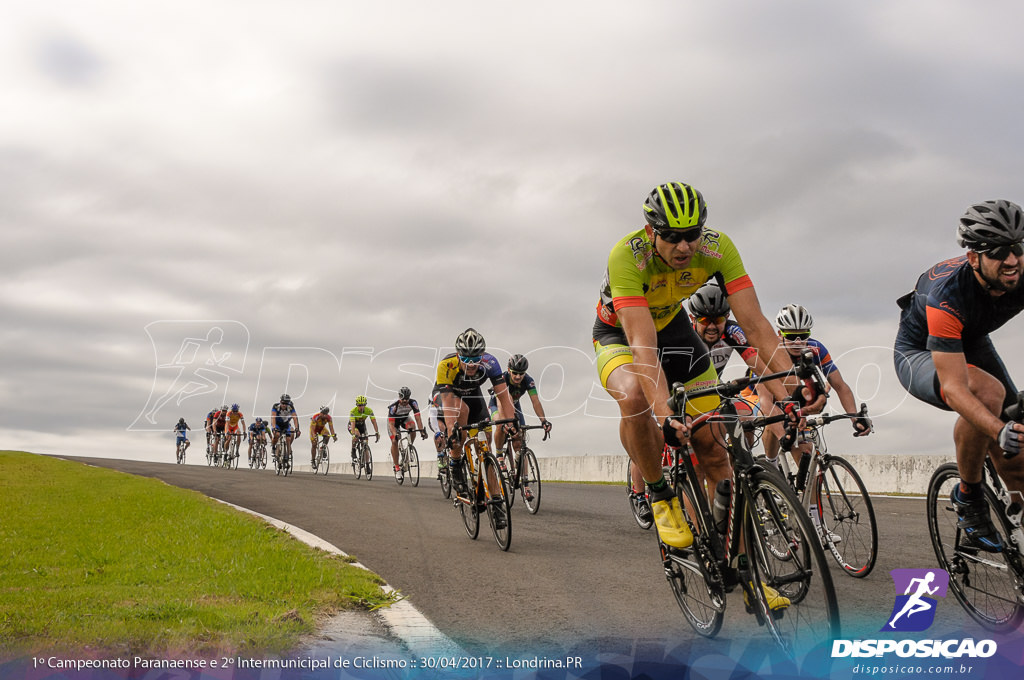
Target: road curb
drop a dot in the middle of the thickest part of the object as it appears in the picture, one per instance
(401, 619)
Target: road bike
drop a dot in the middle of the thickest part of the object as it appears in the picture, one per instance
(322, 458)
(362, 460)
(283, 455)
(179, 451)
(988, 585)
(408, 459)
(231, 456)
(834, 497)
(520, 471)
(258, 457)
(483, 489)
(781, 548)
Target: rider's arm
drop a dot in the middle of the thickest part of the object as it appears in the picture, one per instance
(537, 408)
(843, 391)
(762, 337)
(643, 343)
(951, 368)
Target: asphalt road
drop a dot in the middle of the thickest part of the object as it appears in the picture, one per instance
(580, 574)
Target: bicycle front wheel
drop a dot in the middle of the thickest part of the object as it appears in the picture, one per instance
(784, 554)
(357, 465)
(498, 511)
(325, 458)
(846, 517)
(414, 466)
(444, 476)
(529, 481)
(699, 595)
(983, 582)
(367, 462)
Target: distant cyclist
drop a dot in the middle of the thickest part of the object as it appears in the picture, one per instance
(945, 357)
(257, 433)
(235, 423)
(284, 420)
(401, 414)
(217, 428)
(519, 383)
(357, 421)
(319, 427)
(180, 431)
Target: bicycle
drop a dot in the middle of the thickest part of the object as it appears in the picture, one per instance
(477, 493)
(209, 448)
(362, 460)
(179, 451)
(444, 473)
(230, 458)
(283, 455)
(779, 551)
(989, 586)
(845, 519)
(408, 459)
(520, 472)
(258, 457)
(322, 459)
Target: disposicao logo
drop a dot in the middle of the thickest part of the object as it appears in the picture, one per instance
(915, 609)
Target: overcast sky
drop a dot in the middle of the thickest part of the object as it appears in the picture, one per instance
(208, 202)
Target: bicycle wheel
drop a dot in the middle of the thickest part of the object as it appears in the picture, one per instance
(497, 503)
(357, 466)
(367, 461)
(278, 454)
(846, 517)
(263, 456)
(508, 474)
(287, 458)
(529, 481)
(325, 458)
(414, 466)
(403, 463)
(468, 507)
(982, 582)
(634, 501)
(699, 595)
(444, 476)
(774, 516)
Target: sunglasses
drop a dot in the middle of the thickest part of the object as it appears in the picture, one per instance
(708, 320)
(517, 374)
(1002, 252)
(796, 335)
(676, 235)
(471, 360)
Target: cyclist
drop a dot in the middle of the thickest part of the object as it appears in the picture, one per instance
(435, 421)
(794, 325)
(357, 421)
(208, 428)
(235, 423)
(284, 420)
(180, 433)
(519, 383)
(401, 414)
(318, 427)
(217, 426)
(257, 433)
(644, 344)
(945, 357)
(459, 379)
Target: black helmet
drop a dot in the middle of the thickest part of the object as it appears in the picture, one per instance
(675, 206)
(989, 224)
(181, 421)
(404, 393)
(325, 409)
(709, 300)
(470, 343)
(285, 399)
(518, 363)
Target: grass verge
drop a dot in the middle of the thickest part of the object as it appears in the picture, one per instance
(101, 562)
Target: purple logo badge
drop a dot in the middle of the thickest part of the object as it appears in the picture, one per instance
(916, 590)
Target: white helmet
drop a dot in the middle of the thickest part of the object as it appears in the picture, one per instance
(794, 318)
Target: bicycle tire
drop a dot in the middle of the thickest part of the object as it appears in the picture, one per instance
(277, 453)
(984, 586)
(529, 481)
(287, 458)
(414, 466)
(812, 618)
(632, 498)
(445, 477)
(468, 506)
(367, 461)
(403, 462)
(357, 465)
(325, 459)
(508, 475)
(699, 595)
(497, 502)
(849, 517)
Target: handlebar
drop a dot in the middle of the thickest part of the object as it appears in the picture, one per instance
(825, 419)
(547, 430)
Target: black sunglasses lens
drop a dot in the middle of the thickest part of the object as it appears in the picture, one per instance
(676, 235)
(1002, 252)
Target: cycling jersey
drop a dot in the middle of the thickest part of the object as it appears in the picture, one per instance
(451, 376)
(233, 417)
(258, 428)
(281, 415)
(733, 339)
(399, 411)
(180, 431)
(638, 277)
(526, 385)
(359, 416)
(319, 422)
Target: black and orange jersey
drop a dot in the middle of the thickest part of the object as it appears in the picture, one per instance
(950, 311)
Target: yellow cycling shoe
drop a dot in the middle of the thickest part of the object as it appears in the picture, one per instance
(776, 601)
(672, 527)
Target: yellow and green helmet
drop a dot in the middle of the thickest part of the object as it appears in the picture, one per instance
(360, 400)
(675, 205)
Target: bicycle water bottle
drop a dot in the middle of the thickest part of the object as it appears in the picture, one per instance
(720, 510)
(801, 474)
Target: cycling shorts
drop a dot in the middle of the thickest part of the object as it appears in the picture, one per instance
(409, 424)
(316, 434)
(915, 369)
(492, 407)
(682, 353)
(359, 426)
(283, 424)
(181, 437)
(233, 429)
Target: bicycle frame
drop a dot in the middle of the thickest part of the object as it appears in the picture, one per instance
(515, 477)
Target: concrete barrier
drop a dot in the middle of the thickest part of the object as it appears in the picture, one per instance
(882, 474)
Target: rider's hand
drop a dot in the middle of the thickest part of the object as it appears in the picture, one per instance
(862, 426)
(334, 437)
(423, 433)
(546, 424)
(1010, 438)
(377, 435)
(676, 430)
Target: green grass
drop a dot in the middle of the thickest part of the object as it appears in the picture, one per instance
(98, 561)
